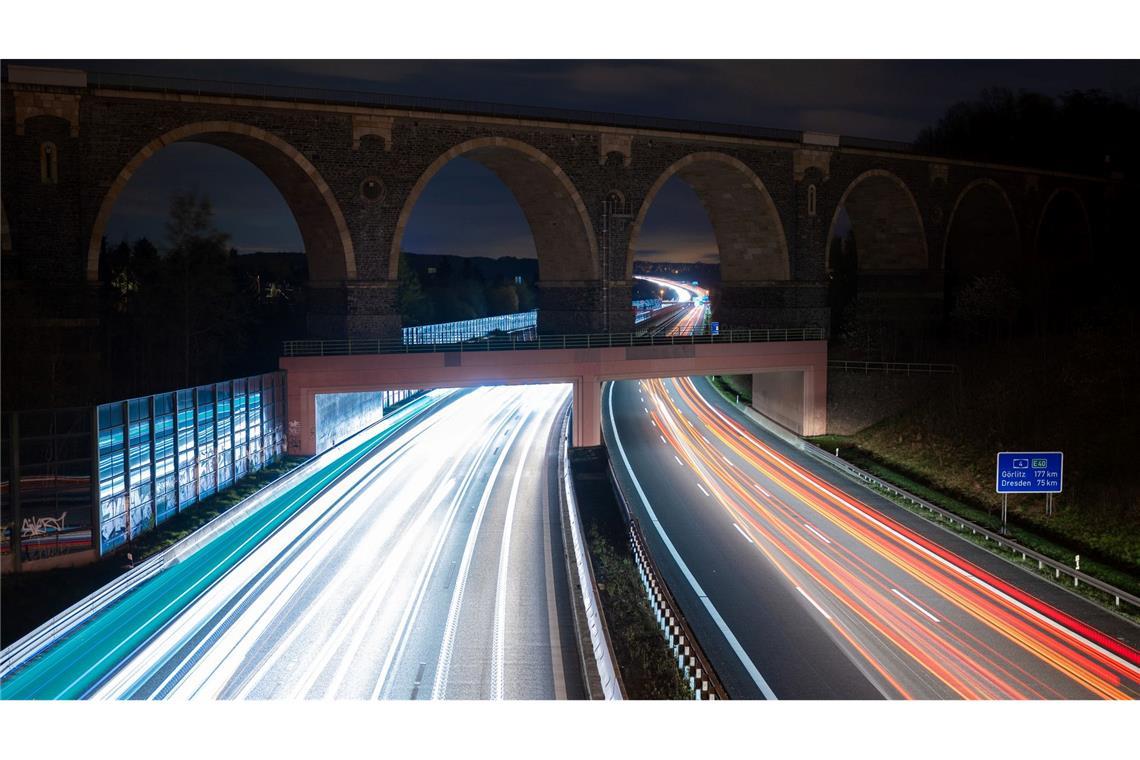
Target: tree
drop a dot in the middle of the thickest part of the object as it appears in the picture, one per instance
(1083, 131)
(415, 307)
(197, 278)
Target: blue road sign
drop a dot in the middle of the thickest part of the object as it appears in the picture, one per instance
(716, 328)
(1029, 471)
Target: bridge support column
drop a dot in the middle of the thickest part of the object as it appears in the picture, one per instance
(795, 397)
(570, 307)
(301, 414)
(353, 309)
(759, 305)
(587, 411)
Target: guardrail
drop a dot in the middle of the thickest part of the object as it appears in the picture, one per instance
(691, 660)
(51, 631)
(356, 346)
(1002, 542)
(578, 560)
(905, 368)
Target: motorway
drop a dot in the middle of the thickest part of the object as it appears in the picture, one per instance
(430, 568)
(801, 584)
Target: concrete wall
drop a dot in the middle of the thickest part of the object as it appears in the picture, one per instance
(340, 415)
(780, 396)
(856, 400)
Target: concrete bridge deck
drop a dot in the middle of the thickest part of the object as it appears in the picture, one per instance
(585, 361)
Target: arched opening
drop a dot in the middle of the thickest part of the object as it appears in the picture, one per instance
(876, 250)
(562, 235)
(739, 235)
(675, 244)
(204, 244)
(324, 233)
(982, 239)
(467, 253)
(884, 222)
(1063, 281)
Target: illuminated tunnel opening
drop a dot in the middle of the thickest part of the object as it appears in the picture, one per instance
(340, 416)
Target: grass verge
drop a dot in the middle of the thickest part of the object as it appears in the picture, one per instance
(1053, 544)
(29, 599)
(1062, 549)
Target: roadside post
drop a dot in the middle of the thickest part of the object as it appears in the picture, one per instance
(1028, 472)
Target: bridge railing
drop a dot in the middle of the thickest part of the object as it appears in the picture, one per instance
(897, 368)
(355, 346)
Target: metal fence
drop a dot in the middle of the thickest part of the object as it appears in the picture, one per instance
(469, 329)
(898, 368)
(350, 346)
(158, 455)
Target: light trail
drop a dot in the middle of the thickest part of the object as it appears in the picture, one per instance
(918, 619)
(350, 595)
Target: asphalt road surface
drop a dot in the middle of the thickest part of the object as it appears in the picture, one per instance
(800, 584)
(430, 568)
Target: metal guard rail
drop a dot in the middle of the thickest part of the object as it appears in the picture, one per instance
(906, 368)
(608, 672)
(852, 471)
(691, 659)
(354, 346)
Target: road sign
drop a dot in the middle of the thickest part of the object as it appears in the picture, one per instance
(716, 328)
(1029, 471)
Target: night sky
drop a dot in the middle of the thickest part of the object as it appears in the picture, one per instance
(465, 209)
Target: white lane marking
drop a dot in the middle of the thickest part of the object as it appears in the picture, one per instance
(706, 493)
(646, 410)
(443, 664)
(741, 531)
(662, 438)
(1009, 600)
(654, 423)
(678, 460)
(498, 635)
(733, 642)
(411, 612)
(914, 604)
(822, 537)
(822, 611)
(727, 460)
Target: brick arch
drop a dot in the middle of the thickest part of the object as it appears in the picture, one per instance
(749, 234)
(986, 217)
(559, 222)
(328, 244)
(889, 233)
(1085, 223)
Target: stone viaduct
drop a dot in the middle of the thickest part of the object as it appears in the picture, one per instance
(351, 167)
